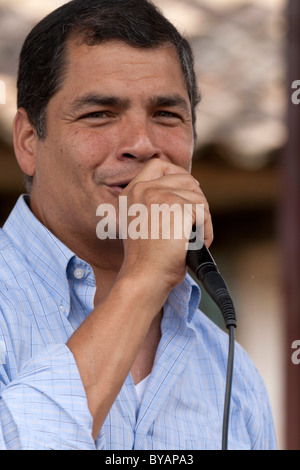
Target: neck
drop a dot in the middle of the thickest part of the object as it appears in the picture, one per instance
(105, 258)
(102, 255)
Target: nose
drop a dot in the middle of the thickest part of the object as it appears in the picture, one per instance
(137, 140)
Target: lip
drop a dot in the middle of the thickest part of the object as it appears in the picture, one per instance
(115, 189)
(120, 185)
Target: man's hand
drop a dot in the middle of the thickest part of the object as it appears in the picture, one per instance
(161, 182)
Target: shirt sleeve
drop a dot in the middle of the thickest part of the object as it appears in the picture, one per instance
(254, 403)
(45, 406)
(266, 439)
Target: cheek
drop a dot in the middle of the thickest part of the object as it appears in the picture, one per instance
(90, 147)
(179, 150)
(59, 166)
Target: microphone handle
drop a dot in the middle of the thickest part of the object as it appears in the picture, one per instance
(204, 267)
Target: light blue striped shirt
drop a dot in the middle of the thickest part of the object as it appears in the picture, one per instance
(46, 291)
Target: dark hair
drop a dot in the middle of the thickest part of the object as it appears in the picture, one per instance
(43, 63)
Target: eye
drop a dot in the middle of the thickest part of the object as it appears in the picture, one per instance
(167, 114)
(98, 115)
(167, 118)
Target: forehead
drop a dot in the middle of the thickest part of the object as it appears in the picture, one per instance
(116, 63)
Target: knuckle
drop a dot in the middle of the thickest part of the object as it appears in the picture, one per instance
(152, 195)
(137, 188)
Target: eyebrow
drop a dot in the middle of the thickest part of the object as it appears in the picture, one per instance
(170, 101)
(98, 100)
(92, 99)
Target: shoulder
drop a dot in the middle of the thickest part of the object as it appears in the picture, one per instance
(250, 400)
(8, 259)
(213, 342)
(12, 263)
(216, 342)
(19, 284)
(4, 241)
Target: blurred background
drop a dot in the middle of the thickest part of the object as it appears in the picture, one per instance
(246, 159)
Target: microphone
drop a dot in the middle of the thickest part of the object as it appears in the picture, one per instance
(204, 267)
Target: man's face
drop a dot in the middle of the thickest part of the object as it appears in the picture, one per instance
(118, 107)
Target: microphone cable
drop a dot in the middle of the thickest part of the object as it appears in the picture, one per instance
(204, 267)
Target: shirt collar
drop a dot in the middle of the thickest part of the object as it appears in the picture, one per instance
(185, 298)
(46, 254)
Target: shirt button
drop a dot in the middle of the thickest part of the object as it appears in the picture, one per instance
(79, 273)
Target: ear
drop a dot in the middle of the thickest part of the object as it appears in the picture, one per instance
(25, 139)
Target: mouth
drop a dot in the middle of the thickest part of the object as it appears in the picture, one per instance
(123, 186)
(118, 186)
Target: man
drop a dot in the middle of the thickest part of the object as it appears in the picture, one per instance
(106, 107)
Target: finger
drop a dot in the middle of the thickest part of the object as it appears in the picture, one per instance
(178, 180)
(171, 182)
(157, 168)
(191, 207)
